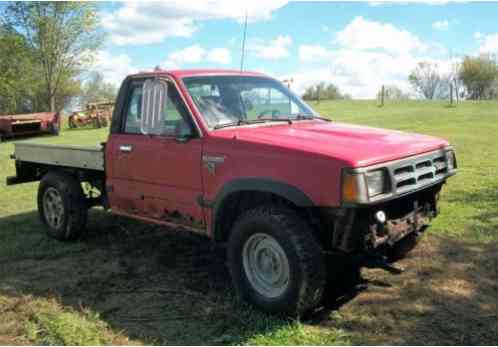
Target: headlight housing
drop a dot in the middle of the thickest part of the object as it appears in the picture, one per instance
(376, 182)
(451, 160)
(362, 187)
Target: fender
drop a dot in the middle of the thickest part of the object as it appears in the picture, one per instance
(264, 185)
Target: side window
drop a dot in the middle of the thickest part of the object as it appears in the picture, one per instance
(134, 111)
(176, 122)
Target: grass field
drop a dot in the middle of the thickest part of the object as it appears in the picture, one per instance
(131, 283)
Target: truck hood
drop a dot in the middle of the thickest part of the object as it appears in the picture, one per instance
(356, 145)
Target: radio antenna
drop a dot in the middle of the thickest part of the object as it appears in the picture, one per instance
(243, 44)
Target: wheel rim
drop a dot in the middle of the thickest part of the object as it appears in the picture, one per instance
(53, 208)
(266, 265)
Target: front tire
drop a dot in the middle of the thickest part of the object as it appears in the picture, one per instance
(275, 262)
(61, 206)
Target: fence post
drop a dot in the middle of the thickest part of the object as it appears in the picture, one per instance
(451, 93)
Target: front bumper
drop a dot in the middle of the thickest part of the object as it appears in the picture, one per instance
(394, 230)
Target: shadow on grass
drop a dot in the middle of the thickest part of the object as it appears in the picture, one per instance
(155, 285)
(447, 295)
(162, 286)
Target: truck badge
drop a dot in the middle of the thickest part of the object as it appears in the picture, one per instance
(211, 161)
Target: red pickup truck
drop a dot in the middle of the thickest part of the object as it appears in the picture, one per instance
(240, 158)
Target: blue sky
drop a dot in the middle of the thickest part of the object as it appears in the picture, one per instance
(358, 46)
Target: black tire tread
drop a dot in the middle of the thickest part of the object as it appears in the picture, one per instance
(74, 201)
(307, 249)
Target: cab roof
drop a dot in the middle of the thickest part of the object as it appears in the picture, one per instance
(197, 72)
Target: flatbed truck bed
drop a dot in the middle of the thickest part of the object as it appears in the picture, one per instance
(36, 158)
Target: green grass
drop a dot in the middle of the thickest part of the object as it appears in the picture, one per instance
(132, 283)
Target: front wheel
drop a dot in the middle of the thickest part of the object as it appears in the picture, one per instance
(62, 206)
(275, 262)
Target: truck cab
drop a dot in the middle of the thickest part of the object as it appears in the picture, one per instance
(238, 157)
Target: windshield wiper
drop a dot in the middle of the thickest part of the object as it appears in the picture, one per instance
(287, 119)
(301, 116)
(252, 121)
(231, 124)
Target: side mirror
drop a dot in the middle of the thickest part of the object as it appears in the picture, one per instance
(154, 97)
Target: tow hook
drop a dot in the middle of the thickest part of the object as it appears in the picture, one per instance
(377, 261)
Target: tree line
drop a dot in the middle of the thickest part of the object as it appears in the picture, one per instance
(474, 78)
(47, 48)
(324, 91)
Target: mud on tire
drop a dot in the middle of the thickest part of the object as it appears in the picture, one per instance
(62, 206)
(307, 275)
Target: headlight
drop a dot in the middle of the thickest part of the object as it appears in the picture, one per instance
(361, 187)
(376, 182)
(451, 160)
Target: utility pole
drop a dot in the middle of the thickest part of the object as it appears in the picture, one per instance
(382, 91)
(243, 44)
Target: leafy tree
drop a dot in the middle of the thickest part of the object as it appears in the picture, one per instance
(324, 91)
(95, 89)
(17, 71)
(61, 35)
(425, 79)
(478, 75)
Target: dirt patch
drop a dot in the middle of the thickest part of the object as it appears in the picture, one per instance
(448, 294)
(162, 286)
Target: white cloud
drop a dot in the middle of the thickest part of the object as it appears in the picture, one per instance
(196, 54)
(271, 50)
(114, 67)
(489, 44)
(442, 25)
(309, 53)
(478, 35)
(364, 56)
(190, 55)
(364, 34)
(152, 22)
(220, 56)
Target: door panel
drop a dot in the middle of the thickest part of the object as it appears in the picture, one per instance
(157, 176)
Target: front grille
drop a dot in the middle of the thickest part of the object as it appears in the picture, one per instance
(419, 171)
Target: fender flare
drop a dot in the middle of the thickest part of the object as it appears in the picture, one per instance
(263, 185)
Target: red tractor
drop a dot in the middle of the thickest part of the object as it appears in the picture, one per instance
(96, 114)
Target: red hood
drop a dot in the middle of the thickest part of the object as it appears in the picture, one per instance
(356, 145)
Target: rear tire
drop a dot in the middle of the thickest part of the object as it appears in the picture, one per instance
(62, 206)
(275, 262)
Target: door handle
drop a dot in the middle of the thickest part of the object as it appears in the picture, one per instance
(126, 148)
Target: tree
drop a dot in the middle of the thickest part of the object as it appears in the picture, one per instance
(62, 36)
(425, 79)
(323, 91)
(17, 73)
(392, 92)
(95, 89)
(478, 75)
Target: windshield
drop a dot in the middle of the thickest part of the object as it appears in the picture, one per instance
(236, 100)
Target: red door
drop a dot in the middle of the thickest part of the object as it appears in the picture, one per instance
(156, 176)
